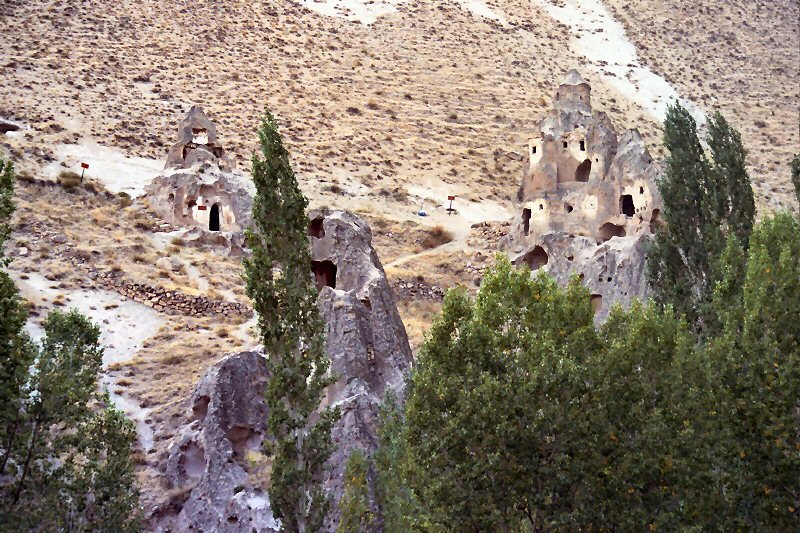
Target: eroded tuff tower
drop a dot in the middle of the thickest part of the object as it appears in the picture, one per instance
(199, 187)
(587, 199)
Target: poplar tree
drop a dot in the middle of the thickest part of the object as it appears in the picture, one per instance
(704, 202)
(756, 381)
(16, 350)
(284, 296)
(735, 203)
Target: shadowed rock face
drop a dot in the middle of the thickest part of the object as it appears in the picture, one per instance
(208, 460)
(369, 351)
(587, 201)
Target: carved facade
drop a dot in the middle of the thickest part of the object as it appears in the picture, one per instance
(587, 202)
(199, 187)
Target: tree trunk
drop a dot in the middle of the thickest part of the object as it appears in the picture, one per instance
(36, 426)
(11, 436)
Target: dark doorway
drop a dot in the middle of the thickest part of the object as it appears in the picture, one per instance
(626, 206)
(315, 228)
(583, 171)
(526, 221)
(213, 218)
(324, 274)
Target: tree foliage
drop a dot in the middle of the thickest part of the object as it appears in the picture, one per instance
(796, 176)
(494, 394)
(522, 416)
(66, 454)
(704, 202)
(284, 296)
(357, 515)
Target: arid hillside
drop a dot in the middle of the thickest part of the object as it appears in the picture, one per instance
(387, 107)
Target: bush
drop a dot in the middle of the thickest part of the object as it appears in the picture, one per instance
(436, 236)
(124, 199)
(69, 179)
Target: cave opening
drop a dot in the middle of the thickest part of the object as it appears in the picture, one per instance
(324, 274)
(213, 218)
(526, 220)
(608, 231)
(315, 228)
(626, 206)
(536, 258)
(583, 171)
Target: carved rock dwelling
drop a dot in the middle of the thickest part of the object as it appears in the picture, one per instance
(588, 200)
(199, 187)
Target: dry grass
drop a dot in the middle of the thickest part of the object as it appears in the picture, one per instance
(436, 236)
(417, 316)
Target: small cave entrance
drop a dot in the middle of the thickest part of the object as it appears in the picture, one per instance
(213, 218)
(608, 231)
(626, 206)
(597, 302)
(536, 258)
(583, 171)
(526, 221)
(315, 228)
(324, 274)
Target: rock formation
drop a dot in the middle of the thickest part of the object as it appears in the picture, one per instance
(369, 351)
(209, 460)
(199, 187)
(365, 337)
(588, 200)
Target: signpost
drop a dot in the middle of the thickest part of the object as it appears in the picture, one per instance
(450, 209)
(84, 166)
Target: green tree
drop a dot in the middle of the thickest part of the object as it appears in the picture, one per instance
(284, 296)
(398, 505)
(704, 202)
(70, 464)
(796, 176)
(731, 182)
(644, 463)
(491, 405)
(757, 383)
(6, 202)
(66, 465)
(16, 350)
(357, 515)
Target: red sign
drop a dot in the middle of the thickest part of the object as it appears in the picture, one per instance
(84, 165)
(451, 198)
(202, 207)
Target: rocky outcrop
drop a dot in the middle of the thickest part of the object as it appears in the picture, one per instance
(210, 461)
(197, 142)
(369, 351)
(588, 202)
(614, 271)
(199, 188)
(201, 197)
(365, 337)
